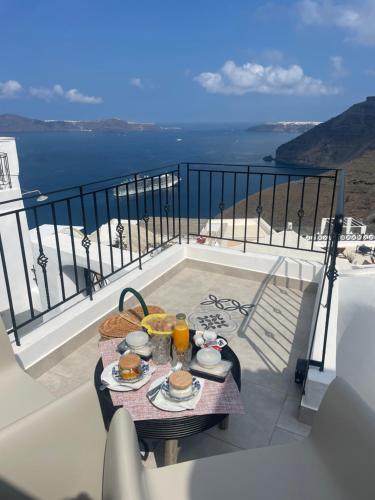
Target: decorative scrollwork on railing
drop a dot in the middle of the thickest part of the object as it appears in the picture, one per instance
(301, 213)
(146, 219)
(221, 206)
(343, 237)
(259, 209)
(332, 274)
(86, 242)
(42, 260)
(119, 229)
(5, 177)
(166, 208)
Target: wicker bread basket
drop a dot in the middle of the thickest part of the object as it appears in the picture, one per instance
(120, 324)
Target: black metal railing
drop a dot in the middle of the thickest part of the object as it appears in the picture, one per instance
(5, 178)
(67, 233)
(275, 200)
(83, 236)
(330, 276)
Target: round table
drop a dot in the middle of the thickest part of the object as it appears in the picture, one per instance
(170, 429)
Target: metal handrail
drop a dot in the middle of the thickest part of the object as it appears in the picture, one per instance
(99, 181)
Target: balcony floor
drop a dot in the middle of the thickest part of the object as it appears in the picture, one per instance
(275, 337)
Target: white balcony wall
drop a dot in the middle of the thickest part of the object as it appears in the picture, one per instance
(11, 243)
(356, 333)
(67, 326)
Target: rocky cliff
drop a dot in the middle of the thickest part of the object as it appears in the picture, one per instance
(346, 141)
(337, 141)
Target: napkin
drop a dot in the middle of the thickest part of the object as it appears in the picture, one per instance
(107, 379)
(166, 404)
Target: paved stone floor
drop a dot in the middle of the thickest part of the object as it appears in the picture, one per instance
(276, 336)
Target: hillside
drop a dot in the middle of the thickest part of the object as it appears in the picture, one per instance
(346, 141)
(334, 142)
(15, 123)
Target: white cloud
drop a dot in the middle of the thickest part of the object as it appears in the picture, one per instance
(45, 93)
(136, 82)
(72, 95)
(339, 70)
(251, 77)
(9, 89)
(357, 18)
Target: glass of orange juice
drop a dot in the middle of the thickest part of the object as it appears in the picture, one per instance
(181, 339)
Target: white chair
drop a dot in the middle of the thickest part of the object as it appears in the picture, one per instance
(20, 394)
(62, 452)
(58, 452)
(336, 462)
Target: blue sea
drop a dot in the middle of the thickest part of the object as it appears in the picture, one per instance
(51, 161)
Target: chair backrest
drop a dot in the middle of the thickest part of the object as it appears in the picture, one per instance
(123, 476)
(57, 451)
(7, 359)
(344, 434)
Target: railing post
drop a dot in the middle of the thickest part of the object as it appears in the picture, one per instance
(332, 273)
(246, 205)
(42, 259)
(331, 211)
(138, 227)
(86, 242)
(188, 201)
(179, 203)
(9, 293)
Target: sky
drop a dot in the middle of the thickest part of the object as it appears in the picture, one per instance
(186, 61)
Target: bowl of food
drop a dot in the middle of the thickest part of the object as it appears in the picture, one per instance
(137, 340)
(208, 357)
(159, 324)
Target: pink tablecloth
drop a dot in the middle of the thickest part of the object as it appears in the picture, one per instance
(216, 397)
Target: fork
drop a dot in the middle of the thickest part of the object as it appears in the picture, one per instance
(155, 391)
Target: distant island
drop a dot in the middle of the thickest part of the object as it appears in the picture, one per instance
(15, 123)
(290, 127)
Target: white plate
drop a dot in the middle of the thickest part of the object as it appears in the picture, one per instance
(115, 384)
